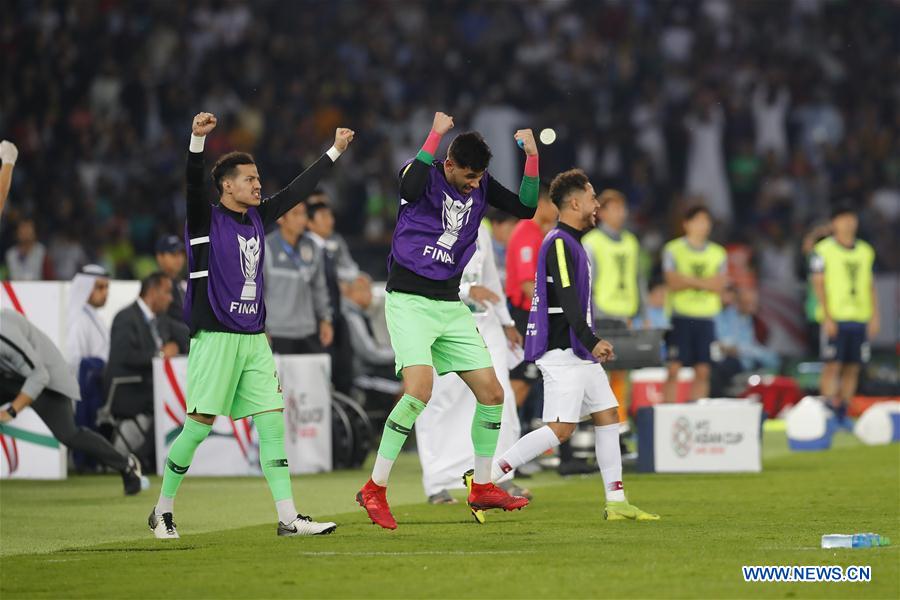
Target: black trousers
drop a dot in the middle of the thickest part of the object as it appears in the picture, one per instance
(305, 345)
(341, 351)
(55, 410)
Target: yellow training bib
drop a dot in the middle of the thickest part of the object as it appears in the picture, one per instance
(705, 263)
(615, 288)
(848, 280)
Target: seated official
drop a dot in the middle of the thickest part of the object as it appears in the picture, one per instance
(740, 350)
(373, 364)
(140, 332)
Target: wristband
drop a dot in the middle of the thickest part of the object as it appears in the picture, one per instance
(432, 142)
(12, 411)
(197, 142)
(333, 153)
(531, 166)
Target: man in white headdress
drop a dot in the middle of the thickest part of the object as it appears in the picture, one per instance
(87, 346)
(445, 450)
(88, 335)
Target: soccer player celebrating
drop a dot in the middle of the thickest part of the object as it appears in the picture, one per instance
(841, 266)
(231, 371)
(561, 341)
(441, 206)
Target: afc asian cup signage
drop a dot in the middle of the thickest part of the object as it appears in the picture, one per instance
(711, 436)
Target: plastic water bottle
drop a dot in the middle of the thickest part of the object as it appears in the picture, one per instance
(857, 540)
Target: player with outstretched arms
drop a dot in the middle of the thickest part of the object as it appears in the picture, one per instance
(442, 203)
(231, 371)
(561, 341)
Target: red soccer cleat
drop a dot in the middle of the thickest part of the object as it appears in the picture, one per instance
(372, 498)
(485, 496)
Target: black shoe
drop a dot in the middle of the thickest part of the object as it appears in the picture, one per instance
(131, 476)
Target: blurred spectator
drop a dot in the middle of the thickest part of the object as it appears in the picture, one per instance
(298, 309)
(706, 176)
(339, 268)
(140, 332)
(171, 258)
(373, 362)
(87, 345)
(28, 259)
(653, 313)
(88, 335)
(66, 253)
(770, 108)
(739, 349)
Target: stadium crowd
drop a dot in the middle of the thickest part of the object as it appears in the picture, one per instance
(670, 102)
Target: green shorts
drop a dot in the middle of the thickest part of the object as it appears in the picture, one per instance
(232, 374)
(438, 333)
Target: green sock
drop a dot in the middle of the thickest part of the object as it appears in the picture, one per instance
(181, 454)
(272, 457)
(399, 424)
(486, 428)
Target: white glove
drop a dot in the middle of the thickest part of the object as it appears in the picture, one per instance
(8, 152)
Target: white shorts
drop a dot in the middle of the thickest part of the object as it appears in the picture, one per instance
(573, 388)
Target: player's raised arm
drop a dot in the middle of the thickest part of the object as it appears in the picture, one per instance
(198, 206)
(524, 204)
(8, 155)
(273, 207)
(415, 175)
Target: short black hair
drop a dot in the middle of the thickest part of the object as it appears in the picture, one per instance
(695, 210)
(844, 207)
(313, 207)
(470, 151)
(573, 180)
(151, 282)
(227, 165)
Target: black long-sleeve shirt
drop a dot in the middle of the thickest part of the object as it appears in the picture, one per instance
(412, 186)
(199, 218)
(566, 297)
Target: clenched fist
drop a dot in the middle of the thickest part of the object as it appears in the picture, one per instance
(603, 351)
(342, 138)
(442, 123)
(526, 137)
(203, 124)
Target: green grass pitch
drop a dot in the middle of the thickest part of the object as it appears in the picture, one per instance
(82, 539)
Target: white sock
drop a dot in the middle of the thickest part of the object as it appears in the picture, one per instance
(164, 505)
(381, 472)
(528, 447)
(482, 469)
(609, 459)
(287, 512)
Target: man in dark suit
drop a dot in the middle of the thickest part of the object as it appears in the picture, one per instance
(340, 269)
(140, 332)
(170, 257)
